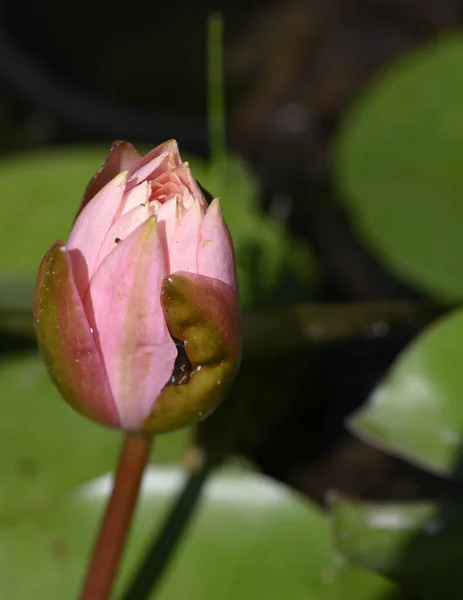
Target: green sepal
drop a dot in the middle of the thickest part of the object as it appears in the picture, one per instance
(203, 314)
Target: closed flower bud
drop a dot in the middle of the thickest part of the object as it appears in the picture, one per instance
(137, 314)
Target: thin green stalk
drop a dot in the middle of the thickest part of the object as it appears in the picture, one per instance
(215, 88)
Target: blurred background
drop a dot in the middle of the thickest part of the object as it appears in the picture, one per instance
(342, 186)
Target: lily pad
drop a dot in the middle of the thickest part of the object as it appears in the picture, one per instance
(398, 163)
(417, 410)
(418, 544)
(46, 448)
(41, 192)
(250, 538)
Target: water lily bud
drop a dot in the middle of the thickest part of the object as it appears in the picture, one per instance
(137, 314)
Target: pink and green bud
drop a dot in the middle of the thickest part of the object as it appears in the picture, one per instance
(137, 315)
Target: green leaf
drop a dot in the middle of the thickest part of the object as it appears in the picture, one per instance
(419, 544)
(398, 160)
(45, 447)
(417, 411)
(41, 193)
(250, 538)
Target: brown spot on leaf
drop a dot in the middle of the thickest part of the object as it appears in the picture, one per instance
(59, 549)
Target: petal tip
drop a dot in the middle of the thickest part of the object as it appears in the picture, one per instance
(215, 205)
(152, 222)
(121, 177)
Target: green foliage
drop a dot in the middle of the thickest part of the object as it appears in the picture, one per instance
(399, 163)
(45, 447)
(47, 450)
(251, 538)
(41, 193)
(272, 266)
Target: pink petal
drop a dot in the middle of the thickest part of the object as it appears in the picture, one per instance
(215, 249)
(138, 195)
(160, 159)
(67, 341)
(184, 246)
(90, 230)
(187, 176)
(122, 228)
(182, 180)
(162, 192)
(169, 216)
(124, 305)
(121, 157)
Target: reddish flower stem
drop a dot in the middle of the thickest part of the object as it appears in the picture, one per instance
(114, 528)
